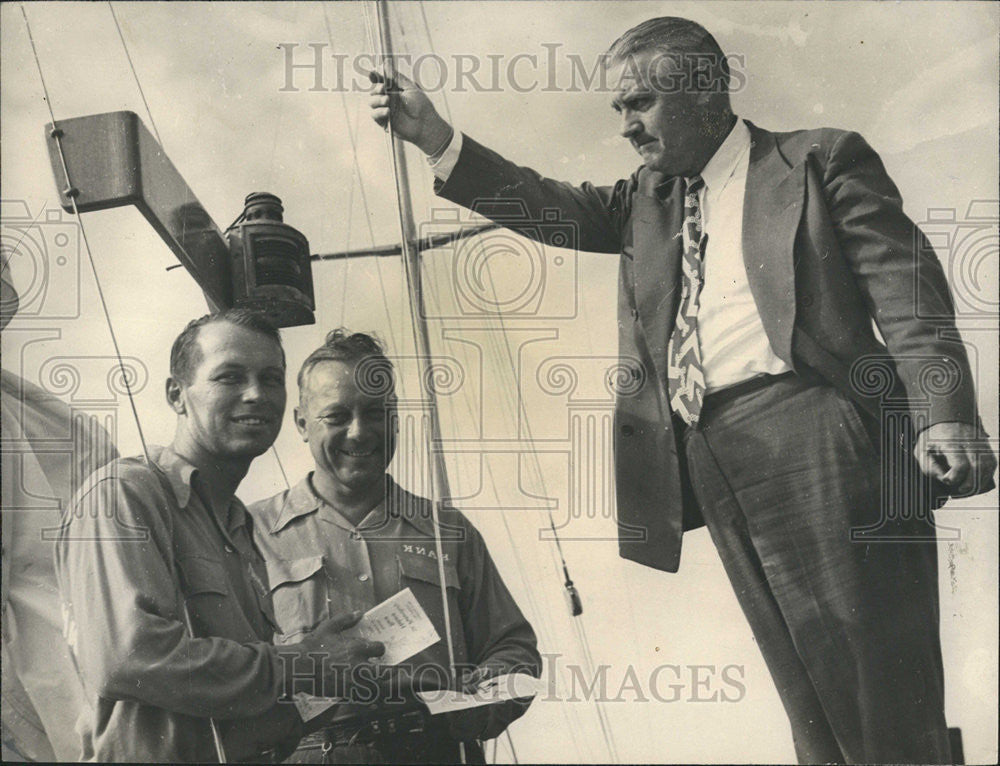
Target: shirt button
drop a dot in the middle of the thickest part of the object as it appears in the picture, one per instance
(363, 577)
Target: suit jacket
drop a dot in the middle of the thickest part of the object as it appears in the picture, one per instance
(827, 250)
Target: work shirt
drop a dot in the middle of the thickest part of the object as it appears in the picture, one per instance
(139, 544)
(319, 564)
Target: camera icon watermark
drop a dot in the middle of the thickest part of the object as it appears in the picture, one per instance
(968, 247)
(526, 270)
(41, 256)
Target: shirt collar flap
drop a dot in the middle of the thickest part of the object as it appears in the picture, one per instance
(179, 472)
(300, 500)
(726, 157)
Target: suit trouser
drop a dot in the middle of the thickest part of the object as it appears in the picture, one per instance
(849, 630)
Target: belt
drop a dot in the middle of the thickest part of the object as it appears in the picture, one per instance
(363, 730)
(735, 391)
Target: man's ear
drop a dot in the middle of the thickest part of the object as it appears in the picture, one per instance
(300, 422)
(175, 398)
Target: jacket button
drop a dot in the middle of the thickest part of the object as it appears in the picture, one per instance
(363, 578)
(807, 301)
(627, 430)
(635, 314)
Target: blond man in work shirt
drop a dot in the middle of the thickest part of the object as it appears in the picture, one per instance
(347, 537)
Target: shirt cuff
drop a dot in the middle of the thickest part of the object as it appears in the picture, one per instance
(443, 163)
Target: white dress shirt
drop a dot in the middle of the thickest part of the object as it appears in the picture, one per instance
(734, 346)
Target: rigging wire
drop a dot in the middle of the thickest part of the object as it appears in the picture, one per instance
(430, 43)
(356, 169)
(517, 404)
(347, 243)
(522, 570)
(568, 585)
(189, 193)
(71, 192)
(510, 741)
(135, 75)
(522, 412)
(422, 343)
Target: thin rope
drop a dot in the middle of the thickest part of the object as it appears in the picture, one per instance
(71, 192)
(435, 479)
(516, 403)
(156, 132)
(604, 725)
(489, 468)
(281, 467)
(430, 44)
(510, 741)
(542, 615)
(356, 166)
(609, 741)
(189, 195)
(135, 74)
(522, 412)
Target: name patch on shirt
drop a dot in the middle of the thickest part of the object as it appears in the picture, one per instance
(423, 550)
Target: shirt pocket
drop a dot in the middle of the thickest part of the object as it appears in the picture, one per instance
(206, 593)
(298, 595)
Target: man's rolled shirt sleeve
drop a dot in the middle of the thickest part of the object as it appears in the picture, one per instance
(125, 615)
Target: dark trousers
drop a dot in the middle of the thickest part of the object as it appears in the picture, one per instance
(849, 630)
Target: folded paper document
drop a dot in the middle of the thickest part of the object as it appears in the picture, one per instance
(489, 692)
(398, 622)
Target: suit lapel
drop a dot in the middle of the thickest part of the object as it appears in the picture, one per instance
(772, 208)
(658, 209)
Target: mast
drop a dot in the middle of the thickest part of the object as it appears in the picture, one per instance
(440, 488)
(411, 264)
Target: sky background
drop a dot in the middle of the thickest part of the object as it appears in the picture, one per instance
(918, 80)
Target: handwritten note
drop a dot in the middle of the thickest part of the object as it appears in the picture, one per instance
(398, 622)
(401, 624)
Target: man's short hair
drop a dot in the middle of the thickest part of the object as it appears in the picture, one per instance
(697, 53)
(185, 355)
(374, 373)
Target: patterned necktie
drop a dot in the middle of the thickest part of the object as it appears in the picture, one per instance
(685, 376)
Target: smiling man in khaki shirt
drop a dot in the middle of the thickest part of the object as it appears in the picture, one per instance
(165, 604)
(347, 537)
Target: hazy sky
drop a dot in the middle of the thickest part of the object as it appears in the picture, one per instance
(919, 80)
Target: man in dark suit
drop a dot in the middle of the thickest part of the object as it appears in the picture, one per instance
(752, 266)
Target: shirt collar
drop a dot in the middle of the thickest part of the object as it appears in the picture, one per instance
(179, 472)
(416, 511)
(180, 475)
(302, 500)
(726, 158)
(299, 501)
